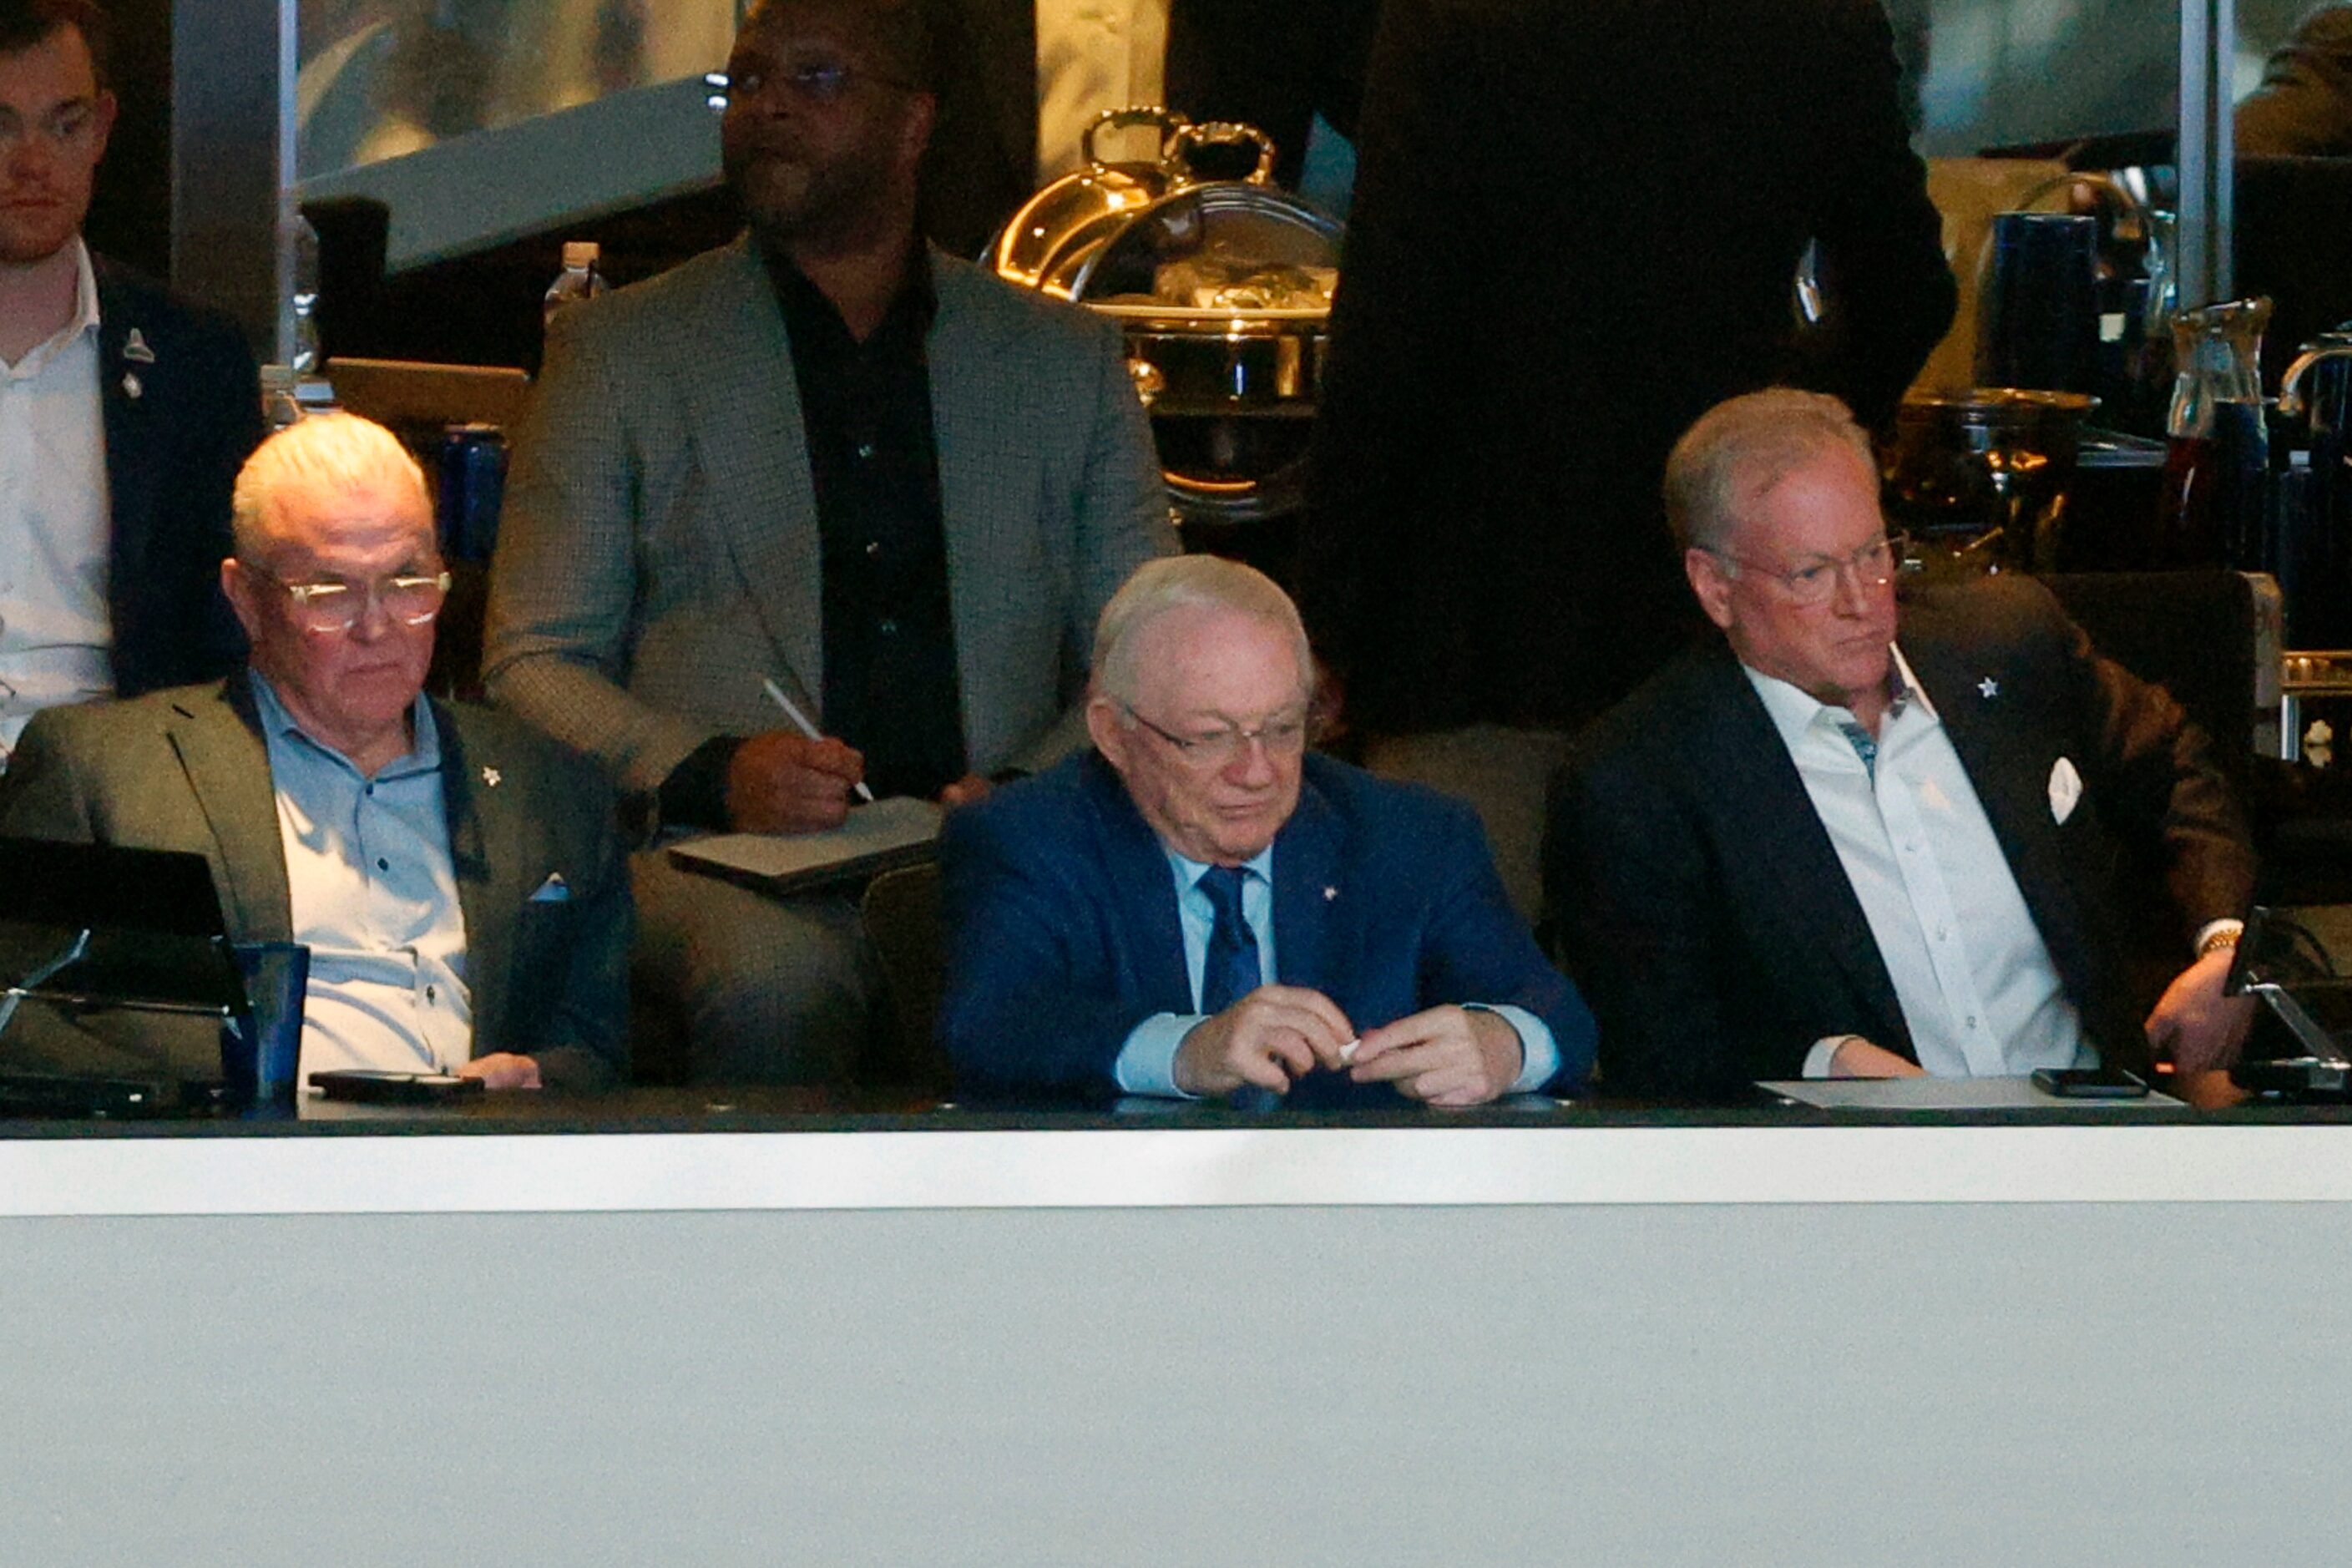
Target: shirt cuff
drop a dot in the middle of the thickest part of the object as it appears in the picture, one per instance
(1539, 1052)
(1821, 1061)
(1147, 1062)
(2212, 929)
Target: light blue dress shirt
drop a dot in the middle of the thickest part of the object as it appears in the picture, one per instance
(1147, 1062)
(373, 891)
(1977, 985)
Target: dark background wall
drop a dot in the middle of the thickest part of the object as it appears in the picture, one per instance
(132, 218)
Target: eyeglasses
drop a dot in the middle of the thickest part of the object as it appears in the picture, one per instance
(1283, 735)
(814, 82)
(331, 605)
(1815, 583)
(68, 128)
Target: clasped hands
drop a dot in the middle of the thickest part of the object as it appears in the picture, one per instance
(1443, 1056)
(782, 782)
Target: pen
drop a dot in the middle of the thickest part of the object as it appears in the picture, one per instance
(800, 722)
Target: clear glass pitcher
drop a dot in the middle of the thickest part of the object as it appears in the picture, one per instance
(2216, 474)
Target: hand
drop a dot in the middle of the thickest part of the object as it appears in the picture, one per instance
(965, 791)
(1268, 1037)
(782, 782)
(1445, 1056)
(1859, 1058)
(2200, 1029)
(502, 1069)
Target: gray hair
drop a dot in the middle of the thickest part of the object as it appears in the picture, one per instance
(1179, 582)
(1741, 449)
(323, 453)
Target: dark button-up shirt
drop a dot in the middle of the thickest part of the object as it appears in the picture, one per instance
(889, 638)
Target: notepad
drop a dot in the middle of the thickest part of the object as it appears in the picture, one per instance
(1947, 1094)
(891, 833)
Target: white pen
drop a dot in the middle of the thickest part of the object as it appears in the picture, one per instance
(800, 722)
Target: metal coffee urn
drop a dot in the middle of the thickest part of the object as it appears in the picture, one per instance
(1223, 289)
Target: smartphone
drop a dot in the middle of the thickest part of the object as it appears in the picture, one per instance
(2089, 1083)
(376, 1087)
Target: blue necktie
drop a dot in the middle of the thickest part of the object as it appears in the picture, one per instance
(1231, 970)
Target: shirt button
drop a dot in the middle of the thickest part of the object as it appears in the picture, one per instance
(1942, 935)
(431, 995)
(872, 547)
(382, 864)
(865, 449)
(1972, 1022)
(889, 629)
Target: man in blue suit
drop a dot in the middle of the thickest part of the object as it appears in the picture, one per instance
(124, 413)
(1197, 907)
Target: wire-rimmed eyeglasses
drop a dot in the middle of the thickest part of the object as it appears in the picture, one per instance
(1815, 582)
(1283, 735)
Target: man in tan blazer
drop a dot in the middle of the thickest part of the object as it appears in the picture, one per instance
(456, 875)
(826, 457)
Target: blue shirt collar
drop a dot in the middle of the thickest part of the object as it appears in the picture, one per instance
(425, 743)
(1191, 871)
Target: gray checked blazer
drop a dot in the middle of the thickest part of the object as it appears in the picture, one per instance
(659, 551)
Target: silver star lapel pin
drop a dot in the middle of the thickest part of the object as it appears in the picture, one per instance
(135, 347)
(1990, 687)
(491, 777)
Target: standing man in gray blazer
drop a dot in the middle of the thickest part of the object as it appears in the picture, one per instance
(830, 459)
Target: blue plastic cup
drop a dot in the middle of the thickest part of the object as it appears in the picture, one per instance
(261, 1053)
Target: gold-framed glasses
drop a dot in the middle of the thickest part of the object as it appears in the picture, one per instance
(1283, 735)
(325, 606)
(1813, 582)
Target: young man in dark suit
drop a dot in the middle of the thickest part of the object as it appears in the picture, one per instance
(124, 413)
(1198, 907)
(1820, 847)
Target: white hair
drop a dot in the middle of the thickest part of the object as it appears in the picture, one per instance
(1741, 448)
(1179, 582)
(324, 453)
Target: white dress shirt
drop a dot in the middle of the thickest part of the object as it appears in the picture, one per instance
(1971, 970)
(56, 632)
(1094, 55)
(375, 895)
(1147, 1061)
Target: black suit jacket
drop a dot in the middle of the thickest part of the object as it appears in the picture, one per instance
(1709, 920)
(1271, 65)
(182, 411)
(1576, 228)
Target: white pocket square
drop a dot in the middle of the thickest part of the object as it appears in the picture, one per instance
(2065, 790)
(554, 890)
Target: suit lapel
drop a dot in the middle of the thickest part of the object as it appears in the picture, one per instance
(1307, 855)
(217, 737)
(747, 421)
(2008, 766)
(131, 474)
(484, 851)
(1750, 771)
(975, 420)
(1143, 892)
